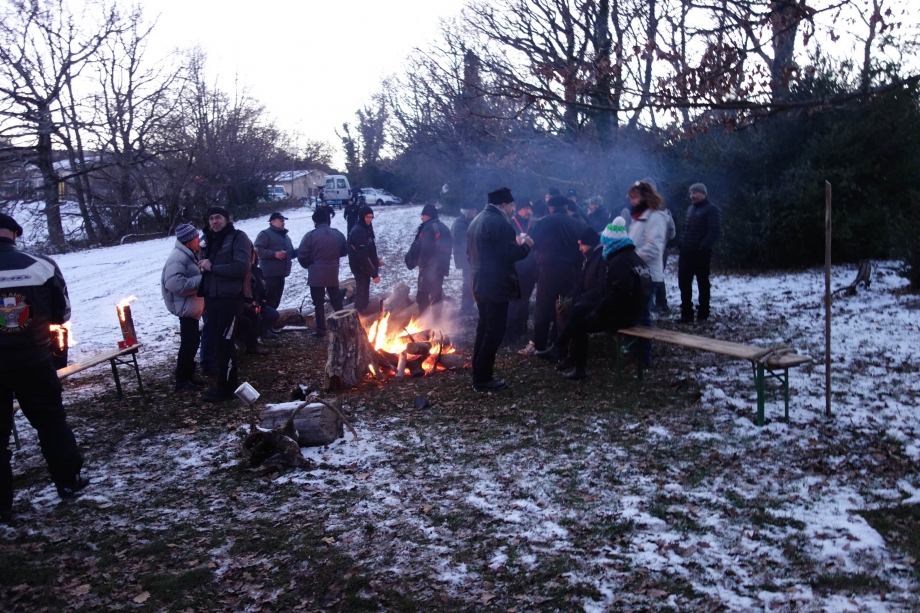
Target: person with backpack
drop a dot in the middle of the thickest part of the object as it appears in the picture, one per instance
(430, 251)
(319, 252)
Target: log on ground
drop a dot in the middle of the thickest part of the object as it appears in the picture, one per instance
(316, 424)
(452, 361)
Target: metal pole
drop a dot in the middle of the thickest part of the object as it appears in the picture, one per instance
(827, 298)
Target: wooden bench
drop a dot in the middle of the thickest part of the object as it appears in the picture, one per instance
(115, 357)
(765, 362)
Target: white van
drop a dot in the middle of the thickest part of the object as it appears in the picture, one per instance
(336, 190)
(276, 192)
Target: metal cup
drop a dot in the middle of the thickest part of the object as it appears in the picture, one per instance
(247, 394)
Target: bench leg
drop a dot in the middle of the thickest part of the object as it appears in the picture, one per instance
(117, 380)
(137, 371)
(759, 384)
(16, 434)
(786, 391)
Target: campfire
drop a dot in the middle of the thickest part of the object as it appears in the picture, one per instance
(395, 341)
(412, 350)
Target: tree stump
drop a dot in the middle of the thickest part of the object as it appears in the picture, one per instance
(350, 353)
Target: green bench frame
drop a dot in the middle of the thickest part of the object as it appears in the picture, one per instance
(765, 365)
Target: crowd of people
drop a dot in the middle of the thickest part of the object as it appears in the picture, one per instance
(591, 273)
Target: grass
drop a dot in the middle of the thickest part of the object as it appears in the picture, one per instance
(217, 536)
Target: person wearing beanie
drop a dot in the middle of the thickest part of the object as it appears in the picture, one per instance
(649, 232)
(519, 310)
(31, 303)
(573, 211)
(558, 260)
(493, 249)
(598, 217)
(628, 285)
(225, 283)
(276, 252)
(430, 251)
(571, 194)
(179, 283)
(319, 252)
(701, 230)
(362, 257)
(551, 192)
(458, 232)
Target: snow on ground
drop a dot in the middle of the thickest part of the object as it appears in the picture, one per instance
(98, 279)
(535, 512)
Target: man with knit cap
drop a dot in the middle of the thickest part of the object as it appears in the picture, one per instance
(225, 283)
(701, 230)
(430, 251)
(628, 286)
(179, 285)
(494, 248)
(275, 251)
(555, 240)
(319, 252)
(33, 295)
(362, 257)
(461, 255)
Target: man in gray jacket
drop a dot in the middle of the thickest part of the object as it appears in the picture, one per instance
(179, 286)
(224, 284)
(275, 251)
(319, 252)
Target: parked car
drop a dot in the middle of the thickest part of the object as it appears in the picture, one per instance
(336, 190)
(276, 192)
(379, 197)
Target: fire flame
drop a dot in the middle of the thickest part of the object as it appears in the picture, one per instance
(395, 341)
(61, 335)
(122, 304)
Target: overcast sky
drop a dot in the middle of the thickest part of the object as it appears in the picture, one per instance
(311, 63)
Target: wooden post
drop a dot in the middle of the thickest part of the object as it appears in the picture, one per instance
(827, 298)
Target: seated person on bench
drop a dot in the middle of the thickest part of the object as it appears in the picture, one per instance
(627, 289)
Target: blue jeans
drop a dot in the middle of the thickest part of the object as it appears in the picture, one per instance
(207, 357)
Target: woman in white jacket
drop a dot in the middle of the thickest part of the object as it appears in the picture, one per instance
(179, 287)
(649, 230)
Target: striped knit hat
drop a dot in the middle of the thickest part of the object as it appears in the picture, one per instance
(615, 229)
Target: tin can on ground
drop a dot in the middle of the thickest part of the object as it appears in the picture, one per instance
(247, 393)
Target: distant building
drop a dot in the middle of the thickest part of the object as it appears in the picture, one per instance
(305, 182)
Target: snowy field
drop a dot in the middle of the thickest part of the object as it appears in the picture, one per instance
(647, 514)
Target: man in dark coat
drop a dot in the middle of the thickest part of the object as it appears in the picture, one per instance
(275, 251)
(319, 252)
(351, 215)
(555, 240)
(493, 248)
(225, 282)
(598, 216)
(519, 310)
(628, 286)
(461, 256)
(257, 316)
(33, 296)
(574, 210)
(430, 251)
(702, 228)
(362, 257)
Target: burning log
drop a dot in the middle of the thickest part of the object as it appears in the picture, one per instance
(128, 333)
(401, 319)
(398, 299)
(401, 365)
(416, 366)
(350, 353)
(452, 361)
(418, 348)
(392, 359)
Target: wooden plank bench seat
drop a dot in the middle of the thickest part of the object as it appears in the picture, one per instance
(765, 362)
(114, 357)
